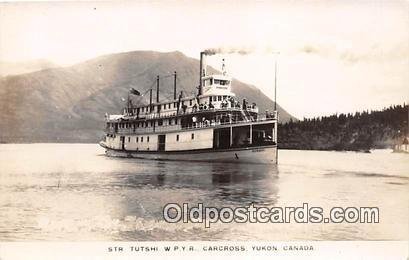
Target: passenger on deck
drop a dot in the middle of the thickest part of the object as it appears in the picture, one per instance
(224, 103)
(244, 104)
(194, 120)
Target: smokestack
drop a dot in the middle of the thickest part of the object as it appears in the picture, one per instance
(174, 86)
(202, 54)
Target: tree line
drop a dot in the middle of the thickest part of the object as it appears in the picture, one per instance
(360, 131)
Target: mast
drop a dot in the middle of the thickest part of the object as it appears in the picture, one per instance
(275, 105)
(150, 100)
(275, 82)
(174, 85)
(157, 89)
(128, 104)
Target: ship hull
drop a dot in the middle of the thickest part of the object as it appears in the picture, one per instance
(256, 155)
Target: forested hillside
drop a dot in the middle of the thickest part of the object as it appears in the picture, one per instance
(359, 131)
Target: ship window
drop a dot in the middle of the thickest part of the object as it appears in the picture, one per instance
(219, 98)
(160, 122)
(221, 82)
(129, 139)
(210, 99)
(190, 102)
(147, 139)
(224, 97)
(137, 139)
(142, 109)
(175, 104)
(193, 136)
(141, 139)
(177, 138)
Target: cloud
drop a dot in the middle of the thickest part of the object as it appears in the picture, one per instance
(229, 50)
(373, 53)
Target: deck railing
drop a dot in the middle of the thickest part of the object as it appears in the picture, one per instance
(197, 125)
(188, 111)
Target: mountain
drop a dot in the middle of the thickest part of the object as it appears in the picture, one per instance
(68, 104)
(16, 68)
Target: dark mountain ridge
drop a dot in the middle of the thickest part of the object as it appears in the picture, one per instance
(68, 104)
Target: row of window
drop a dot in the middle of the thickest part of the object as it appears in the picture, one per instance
(169, 105)
(137, 140)
(217, 98)
(163, 106)
(192, 137)
(143, 124)
(210, 81)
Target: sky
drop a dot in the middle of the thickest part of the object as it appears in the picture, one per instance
(334, 56)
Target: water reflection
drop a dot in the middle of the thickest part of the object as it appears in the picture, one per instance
(226, 183)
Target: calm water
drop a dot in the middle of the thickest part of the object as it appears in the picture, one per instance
(73, 192)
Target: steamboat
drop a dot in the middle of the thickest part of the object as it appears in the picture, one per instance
(211, 125)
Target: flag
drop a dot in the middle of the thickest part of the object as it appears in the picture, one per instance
(134, 92)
